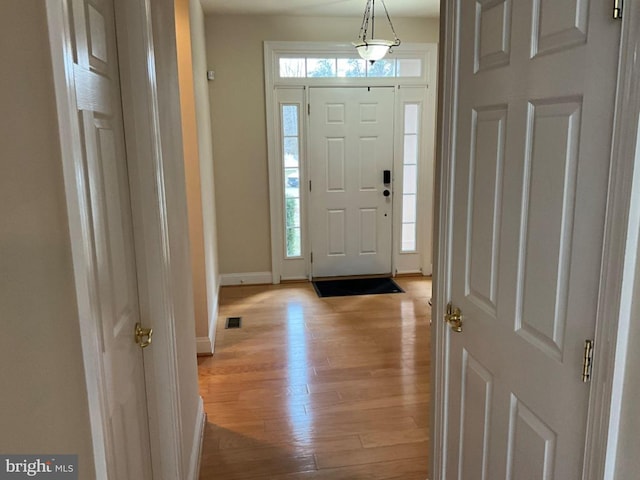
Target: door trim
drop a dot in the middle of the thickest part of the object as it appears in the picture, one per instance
(610, 315)
(80, 231)
(274, 85)
(151, 157)
(619, 261)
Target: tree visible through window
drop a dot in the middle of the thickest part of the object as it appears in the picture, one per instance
(330, 67)
(321, 67)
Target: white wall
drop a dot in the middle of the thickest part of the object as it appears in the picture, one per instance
(235, 53)
(43, 399)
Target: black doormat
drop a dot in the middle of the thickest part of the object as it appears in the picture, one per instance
(358, 286)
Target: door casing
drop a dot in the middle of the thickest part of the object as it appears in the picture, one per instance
(276, 89)
(146, 38)
(612, 303)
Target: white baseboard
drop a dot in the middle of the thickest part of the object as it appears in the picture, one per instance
(297, 278)
(204, 346)
(207, 345)
(213, 321)
(253, 278)
(198, 437)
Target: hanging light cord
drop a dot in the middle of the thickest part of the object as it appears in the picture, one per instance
(395, 37)
(368, 15)
(365, 22)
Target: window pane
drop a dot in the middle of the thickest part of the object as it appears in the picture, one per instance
(291, 180)
(408, 237)
(292, 213)
(410, 180)
(291, 152)
(292, 67)
(321, 67)
(411, 118)
(410, 149)
(409, 208)
(290, 120)
(352, 67)
(292, 183)
(382, 68)
(293, 242)
(409, 67)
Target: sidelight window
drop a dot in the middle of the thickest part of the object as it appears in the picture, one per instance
(410, 177)
(291, 168)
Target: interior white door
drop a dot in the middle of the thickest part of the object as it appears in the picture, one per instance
(351, 145)
(97, 80)
(536, 90)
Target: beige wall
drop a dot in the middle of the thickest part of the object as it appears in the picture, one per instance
(205, 149)
(191, 166)
(235, 53)
(43, 399)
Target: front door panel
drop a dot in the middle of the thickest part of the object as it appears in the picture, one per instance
(351, 145)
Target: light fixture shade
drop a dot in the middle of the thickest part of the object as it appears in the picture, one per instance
(373, 50)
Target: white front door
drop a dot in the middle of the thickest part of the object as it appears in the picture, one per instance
(95, 70)
(351, 147)
(533, 127)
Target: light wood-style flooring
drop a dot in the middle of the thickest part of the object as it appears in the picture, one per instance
(318, 388)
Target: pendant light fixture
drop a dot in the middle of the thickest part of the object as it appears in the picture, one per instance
(369, 47)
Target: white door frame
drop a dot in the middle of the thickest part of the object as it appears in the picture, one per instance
(274, 84)
(612, 302)
(146, 36)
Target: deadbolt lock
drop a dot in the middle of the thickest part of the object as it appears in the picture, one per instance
(143, 335)
(454, 318)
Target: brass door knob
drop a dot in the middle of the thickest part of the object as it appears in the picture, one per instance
(143, 335)
(454, 318)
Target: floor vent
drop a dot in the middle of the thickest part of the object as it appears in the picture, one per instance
(233, 322)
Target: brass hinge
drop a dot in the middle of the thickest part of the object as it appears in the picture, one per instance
(587, 362)
(309, 185)
(617, 9)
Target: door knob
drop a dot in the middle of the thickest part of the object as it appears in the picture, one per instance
(386, 193)
(143, 335)
(454, 318)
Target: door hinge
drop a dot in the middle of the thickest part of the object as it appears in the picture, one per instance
(308, 109)
(587, 362)
(617, 9)
(311, 257)
(309, 185)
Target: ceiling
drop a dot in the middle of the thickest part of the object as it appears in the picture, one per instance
(324, 8)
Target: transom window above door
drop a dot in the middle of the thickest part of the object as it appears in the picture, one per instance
(322, 63)
(332, 67)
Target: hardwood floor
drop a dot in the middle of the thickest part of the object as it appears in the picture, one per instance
(318, 388)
